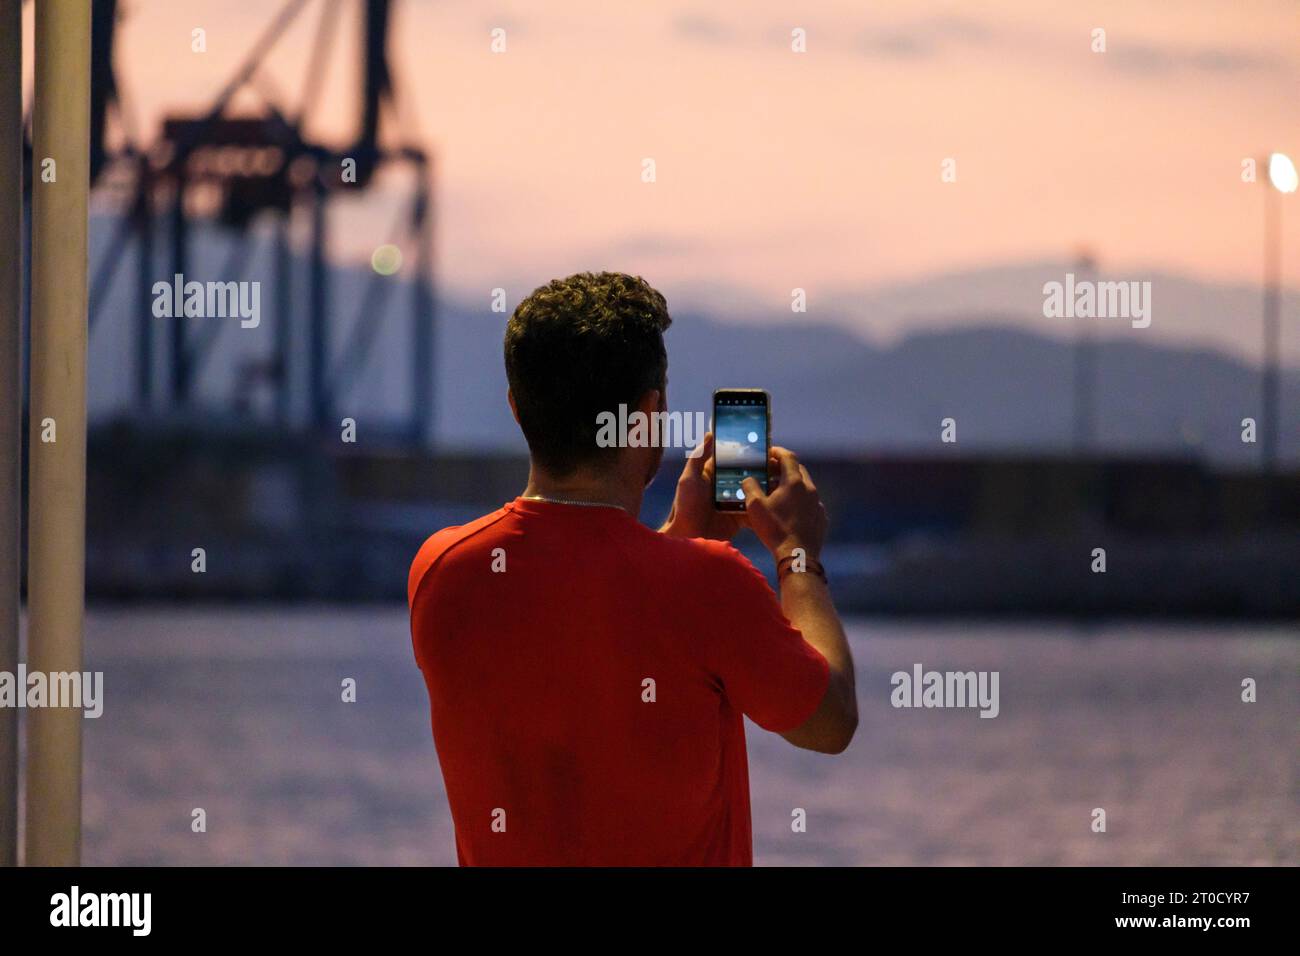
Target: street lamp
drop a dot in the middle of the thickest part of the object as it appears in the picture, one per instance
(1282, 177)
(1085, 367)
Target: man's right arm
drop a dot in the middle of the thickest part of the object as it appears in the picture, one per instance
(806, 601)
(792, 517)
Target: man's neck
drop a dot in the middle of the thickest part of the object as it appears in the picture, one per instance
(586, 487)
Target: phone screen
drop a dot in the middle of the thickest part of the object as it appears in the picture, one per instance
(740, 444)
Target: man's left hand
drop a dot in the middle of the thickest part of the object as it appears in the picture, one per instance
(693, 514)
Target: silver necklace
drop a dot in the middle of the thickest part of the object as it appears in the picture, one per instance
(569, 501)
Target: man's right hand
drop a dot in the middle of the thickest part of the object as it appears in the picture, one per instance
(792, 515)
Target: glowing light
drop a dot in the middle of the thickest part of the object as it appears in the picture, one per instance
(386, 260)
(1281, 173)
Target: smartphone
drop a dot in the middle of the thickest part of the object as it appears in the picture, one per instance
(742, 425)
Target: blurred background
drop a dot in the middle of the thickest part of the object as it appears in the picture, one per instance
(863, 228)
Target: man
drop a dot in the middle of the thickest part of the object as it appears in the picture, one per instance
(587, 675)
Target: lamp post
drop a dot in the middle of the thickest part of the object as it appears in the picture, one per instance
(11, 400)
(56, 523)
(1282, 178)
(1085, 369)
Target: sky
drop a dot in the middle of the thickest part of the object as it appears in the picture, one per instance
(777, 170)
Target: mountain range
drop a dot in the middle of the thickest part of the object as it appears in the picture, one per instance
(839, 381)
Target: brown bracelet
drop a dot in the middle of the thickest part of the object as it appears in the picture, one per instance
(786, 566)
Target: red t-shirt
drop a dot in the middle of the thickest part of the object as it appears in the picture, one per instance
(539, 628)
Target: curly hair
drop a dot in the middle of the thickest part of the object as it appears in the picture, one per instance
(577, 347)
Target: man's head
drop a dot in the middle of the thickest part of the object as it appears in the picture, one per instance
(580, 346)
